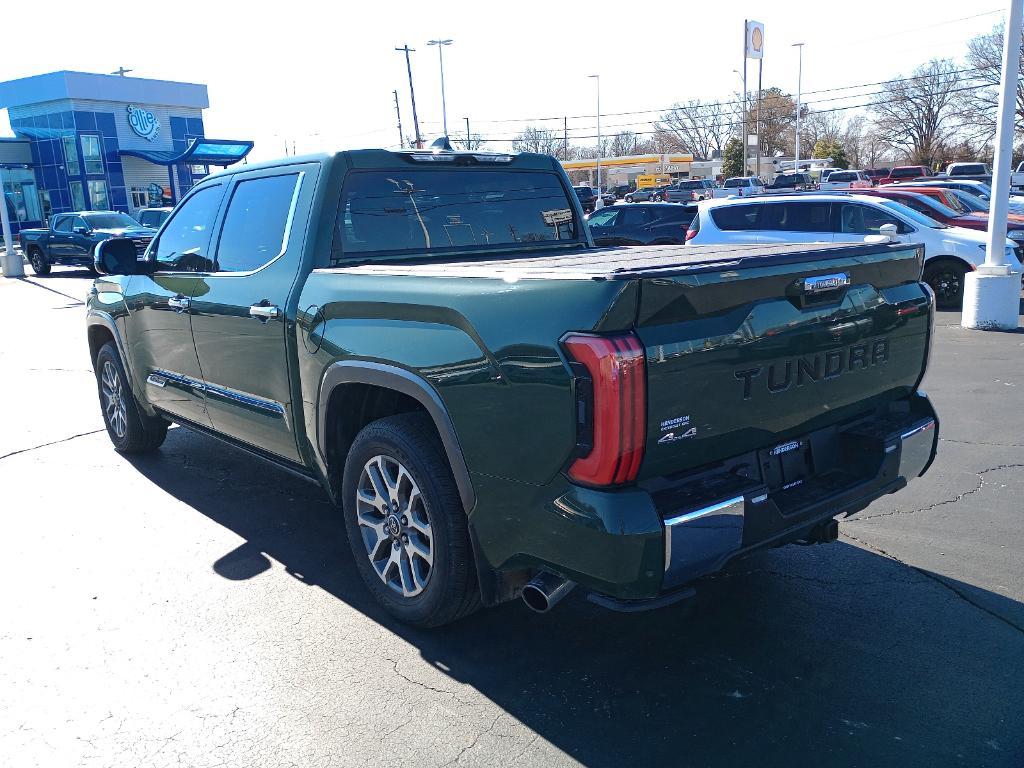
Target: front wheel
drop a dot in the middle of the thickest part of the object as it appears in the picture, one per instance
(130, 430)
(946, 278)
(405, 522)
(38, 262)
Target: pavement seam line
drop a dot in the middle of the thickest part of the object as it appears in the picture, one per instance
(981, 484)
(52, 442)
(974, 442)
(938, 580)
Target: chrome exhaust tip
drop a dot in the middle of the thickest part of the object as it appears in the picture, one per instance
(545, 591)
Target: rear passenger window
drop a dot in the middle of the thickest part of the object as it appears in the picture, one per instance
(255, 224)
(796, 217)
(733, 218)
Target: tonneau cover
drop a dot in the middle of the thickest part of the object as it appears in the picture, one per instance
(613, 263)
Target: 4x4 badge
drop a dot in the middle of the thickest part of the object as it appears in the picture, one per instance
(672, 437)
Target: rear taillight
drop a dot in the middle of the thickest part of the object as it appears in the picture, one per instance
(611, 407)
(690, 234)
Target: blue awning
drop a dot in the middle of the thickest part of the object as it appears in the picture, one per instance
(201, 151)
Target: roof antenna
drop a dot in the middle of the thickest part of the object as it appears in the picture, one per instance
(442, 143)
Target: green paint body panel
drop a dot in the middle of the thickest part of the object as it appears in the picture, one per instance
(488, 345)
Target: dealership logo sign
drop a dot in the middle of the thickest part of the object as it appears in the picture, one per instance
(143, 122)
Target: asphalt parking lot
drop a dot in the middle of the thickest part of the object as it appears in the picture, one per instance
(197, 608)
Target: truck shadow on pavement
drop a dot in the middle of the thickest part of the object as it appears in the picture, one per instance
(827, 655)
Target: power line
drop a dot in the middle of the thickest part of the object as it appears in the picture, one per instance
(723, 103)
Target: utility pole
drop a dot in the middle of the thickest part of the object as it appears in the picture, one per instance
(398, 112)
(992, 291)
(412, 95)
(757, 121)
(565, 138)
(799, 80)
(746, 33)
(597, 79)
(468, 141)
(440, 55)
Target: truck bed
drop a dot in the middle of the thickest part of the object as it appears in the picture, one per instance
(619, 262)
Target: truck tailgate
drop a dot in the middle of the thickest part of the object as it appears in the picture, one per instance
(746, 356)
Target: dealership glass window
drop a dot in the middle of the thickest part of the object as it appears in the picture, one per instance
(71, 156)
(98, 196)
(77, 196)
(92, 153)
(45, 204)
(20, 193)
(256, 223)
(140, 197)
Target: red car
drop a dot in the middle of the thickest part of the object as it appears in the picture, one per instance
(905, 173)
(922, 200)
(877, 174)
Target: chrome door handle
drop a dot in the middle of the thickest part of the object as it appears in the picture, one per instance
(179, 303)
(264, 312)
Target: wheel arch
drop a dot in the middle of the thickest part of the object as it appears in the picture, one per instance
(354, 392)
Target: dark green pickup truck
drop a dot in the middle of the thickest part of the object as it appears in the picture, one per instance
(499, 407)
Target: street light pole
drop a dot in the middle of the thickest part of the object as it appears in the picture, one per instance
(799, 80)
(412, 95)
(597, 78)
(440, 55)
(468, 141)
(398, 112)
(992, 291)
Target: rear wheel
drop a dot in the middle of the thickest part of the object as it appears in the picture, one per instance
(406, 526)
(946, 278)
(130, 430)
(38, 261)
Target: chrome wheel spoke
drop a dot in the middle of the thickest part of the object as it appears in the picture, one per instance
(114, 405)
(391, 515)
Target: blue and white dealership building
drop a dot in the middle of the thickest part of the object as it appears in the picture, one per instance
(104, 142)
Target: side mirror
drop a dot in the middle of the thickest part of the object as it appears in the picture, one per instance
(116, 257)
(81, 230)
(889, 231)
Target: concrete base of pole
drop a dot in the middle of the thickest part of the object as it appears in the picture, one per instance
(11, 264)
(991, 299)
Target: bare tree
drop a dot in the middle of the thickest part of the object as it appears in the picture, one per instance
(471, 142)
(917, 114)
(623, 143)
(985, 54)
(539, 140)
(778, 113)
(819, 126)
(695, 127)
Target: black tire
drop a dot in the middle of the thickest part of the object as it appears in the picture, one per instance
(130, 430)
(449, 591)
(37, 260)
(946, 278)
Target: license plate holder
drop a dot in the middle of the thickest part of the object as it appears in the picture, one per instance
(786, 465)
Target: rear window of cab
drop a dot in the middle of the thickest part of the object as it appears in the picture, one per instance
(408, 210)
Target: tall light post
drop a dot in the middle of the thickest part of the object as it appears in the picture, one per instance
(799, 79)
(597, 79)
(440, 55)
(991, 292)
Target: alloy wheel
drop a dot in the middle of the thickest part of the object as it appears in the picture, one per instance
(37, 261)
(947, 285)
(113, 400)
(395, 526)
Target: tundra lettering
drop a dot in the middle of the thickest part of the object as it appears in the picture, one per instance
(810, 368)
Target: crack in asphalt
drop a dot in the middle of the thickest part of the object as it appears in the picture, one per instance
(938, 580)
(981, 484)
(476, 739)
(52, 442)
(975, 442)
